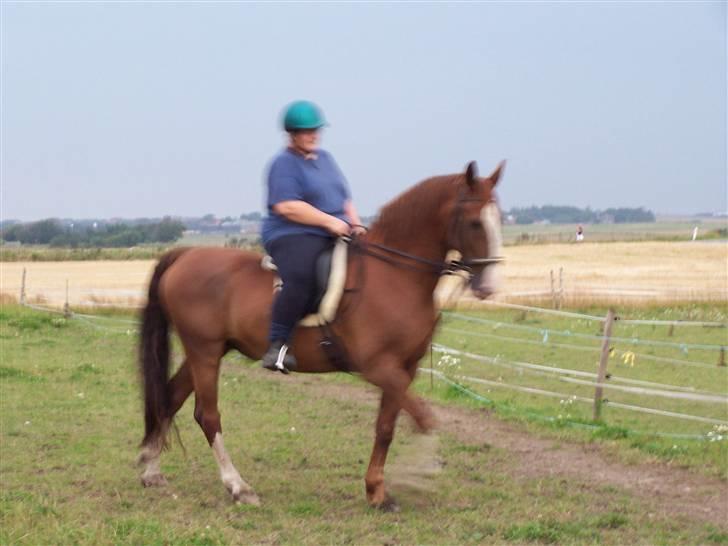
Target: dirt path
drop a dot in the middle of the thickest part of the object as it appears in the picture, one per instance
(662, 488)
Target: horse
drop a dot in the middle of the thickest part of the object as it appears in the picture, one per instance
(219, 299)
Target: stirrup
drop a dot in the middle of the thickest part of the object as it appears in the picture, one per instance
(284, 363)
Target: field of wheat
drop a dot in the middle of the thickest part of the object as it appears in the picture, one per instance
(646, 271)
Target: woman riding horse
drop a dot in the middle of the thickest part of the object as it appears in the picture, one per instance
(219, 299)
(308, 203)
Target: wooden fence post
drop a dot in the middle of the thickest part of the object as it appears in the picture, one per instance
(561, 286)
(721, 360)
(66, 308)
(603, 360)
(553, 290)
(22, 289)
(431, 369)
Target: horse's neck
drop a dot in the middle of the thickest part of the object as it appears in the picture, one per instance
(422, 237)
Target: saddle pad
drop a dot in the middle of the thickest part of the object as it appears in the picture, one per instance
(334, 288)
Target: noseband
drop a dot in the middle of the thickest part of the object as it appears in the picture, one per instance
(392, 255)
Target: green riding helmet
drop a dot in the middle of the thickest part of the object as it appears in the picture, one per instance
(303, 114)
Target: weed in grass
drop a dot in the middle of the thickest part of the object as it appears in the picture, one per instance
(479, 533)
(715, 536)
(34, 322)
(306, 509)
(7, 372)
(478, 448)
(610, 432)
(546, 532)
(611, 520)
(84, 370)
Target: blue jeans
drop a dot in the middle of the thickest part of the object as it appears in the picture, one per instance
(295, 256)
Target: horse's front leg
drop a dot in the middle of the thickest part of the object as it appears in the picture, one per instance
(376, 492)
(394, 382)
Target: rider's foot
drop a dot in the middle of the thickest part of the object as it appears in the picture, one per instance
(278, 359)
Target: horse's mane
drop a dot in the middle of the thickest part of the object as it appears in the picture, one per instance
(403, 215)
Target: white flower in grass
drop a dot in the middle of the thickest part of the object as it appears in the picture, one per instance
(719, 432)
(449, 361)
(81, 395)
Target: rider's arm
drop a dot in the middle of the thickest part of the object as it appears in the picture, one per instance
(351, 212)
(303, 213)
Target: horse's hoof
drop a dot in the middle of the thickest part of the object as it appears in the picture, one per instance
(246, 497)
(242, 493)
(154, 480)
(389, 505)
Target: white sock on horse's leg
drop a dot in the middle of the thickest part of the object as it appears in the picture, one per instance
(230, 476)
(150, 458)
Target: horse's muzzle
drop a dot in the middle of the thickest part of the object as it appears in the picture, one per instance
(483, 284)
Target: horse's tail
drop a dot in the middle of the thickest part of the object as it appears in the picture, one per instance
(154, 353)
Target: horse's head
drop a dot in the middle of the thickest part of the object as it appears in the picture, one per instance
(476, 227)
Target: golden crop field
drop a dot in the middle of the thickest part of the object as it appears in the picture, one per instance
(654, 271)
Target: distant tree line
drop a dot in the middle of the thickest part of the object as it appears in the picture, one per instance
(52, 232)
(575, 215)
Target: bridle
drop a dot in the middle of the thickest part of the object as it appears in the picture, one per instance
(399, 258)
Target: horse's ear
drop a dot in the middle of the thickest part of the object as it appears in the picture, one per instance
(471, 173)
(496, 174)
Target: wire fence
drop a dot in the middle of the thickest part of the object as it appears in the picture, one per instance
(572, 341)
(705, 402)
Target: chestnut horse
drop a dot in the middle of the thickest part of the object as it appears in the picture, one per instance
(218, 299)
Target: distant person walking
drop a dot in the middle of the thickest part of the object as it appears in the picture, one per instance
(579, 234)
(309, 204)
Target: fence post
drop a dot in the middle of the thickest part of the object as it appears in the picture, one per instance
(431, 371)
(603, 360)
(22, 289)
(671, 330)
(561, 286)
(721, 360)
(66, 308)
(553, 290)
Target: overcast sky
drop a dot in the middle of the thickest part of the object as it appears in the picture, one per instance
(148, 109)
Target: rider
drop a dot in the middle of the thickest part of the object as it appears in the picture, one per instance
(309, 204)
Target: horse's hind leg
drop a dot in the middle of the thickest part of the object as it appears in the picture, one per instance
(205, 372)
(180, 387)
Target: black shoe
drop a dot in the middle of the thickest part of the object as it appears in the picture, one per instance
(278, 359)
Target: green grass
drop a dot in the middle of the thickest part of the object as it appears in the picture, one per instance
(70, 424)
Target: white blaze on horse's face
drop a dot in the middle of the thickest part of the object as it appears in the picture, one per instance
(486, 282)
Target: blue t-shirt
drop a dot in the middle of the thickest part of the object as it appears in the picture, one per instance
(319, 182)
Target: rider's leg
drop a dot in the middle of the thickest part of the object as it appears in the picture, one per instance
(295, 257)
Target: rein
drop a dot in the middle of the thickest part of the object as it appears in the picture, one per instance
(431, 266)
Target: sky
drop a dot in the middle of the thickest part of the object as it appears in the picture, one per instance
(146, 109)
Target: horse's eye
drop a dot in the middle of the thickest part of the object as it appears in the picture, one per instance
(475, 224)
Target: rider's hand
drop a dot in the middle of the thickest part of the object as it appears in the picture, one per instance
(338, 227)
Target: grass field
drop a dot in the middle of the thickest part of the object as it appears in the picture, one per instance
(670, 230)
(512, 339)
(70, 423)
(615, 272)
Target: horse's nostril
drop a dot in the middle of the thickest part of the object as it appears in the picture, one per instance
(483, 292)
